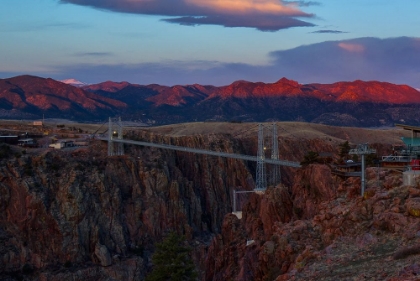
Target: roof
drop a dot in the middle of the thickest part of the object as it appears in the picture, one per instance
(350, 164)
(411, 141)
(24, 140)
(407, 127)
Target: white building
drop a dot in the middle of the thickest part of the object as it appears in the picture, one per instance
(61, 144)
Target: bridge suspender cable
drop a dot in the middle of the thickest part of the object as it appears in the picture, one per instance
(260, 159)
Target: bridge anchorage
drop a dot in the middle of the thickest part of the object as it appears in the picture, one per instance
(116, 147)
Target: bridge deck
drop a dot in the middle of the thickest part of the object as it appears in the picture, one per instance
(207, 152)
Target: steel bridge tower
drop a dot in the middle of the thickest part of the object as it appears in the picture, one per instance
(275, 176)
(111, 132)
(261, 180)
(261, 176)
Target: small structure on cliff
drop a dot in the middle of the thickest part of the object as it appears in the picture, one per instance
(27, 142)
(404, 154)
(410, 177)
(62, 144)
(9, 139)
(238, 202)
(348, 169)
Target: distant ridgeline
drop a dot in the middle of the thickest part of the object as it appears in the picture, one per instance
(357, 103)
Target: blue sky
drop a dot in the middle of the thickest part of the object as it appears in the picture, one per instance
(211, 41)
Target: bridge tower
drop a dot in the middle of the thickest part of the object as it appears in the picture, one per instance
(120, 147)
(261, 180)
(275, 172)
(111, 132)
(110, 143)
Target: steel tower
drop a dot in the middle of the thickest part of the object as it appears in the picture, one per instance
(362, 149)
(261, 182)
(110, 143)
(120, 145)
(275, 172)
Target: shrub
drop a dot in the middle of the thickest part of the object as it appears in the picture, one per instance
(68, 264)
(172, 260)
(309, 158)
(27, 269)
(344, 149)
(5, 151)
(138, 250)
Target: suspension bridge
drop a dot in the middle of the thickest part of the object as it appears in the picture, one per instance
(116, 147)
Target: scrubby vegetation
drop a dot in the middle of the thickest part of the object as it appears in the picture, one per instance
(172, 260)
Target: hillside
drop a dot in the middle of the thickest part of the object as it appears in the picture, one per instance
(358, 103)
(36, 96)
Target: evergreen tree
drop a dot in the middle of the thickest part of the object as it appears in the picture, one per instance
(172, 261)
(309, 158)
(344, 149)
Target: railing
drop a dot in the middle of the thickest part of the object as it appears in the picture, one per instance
(394, 158)
(408, 152)
(413, 168)
(346, 174)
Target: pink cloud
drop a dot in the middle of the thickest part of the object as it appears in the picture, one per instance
(353, 48)
(265, 15)
(273, 7)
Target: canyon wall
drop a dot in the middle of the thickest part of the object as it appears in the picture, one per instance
(76, 214)
(81, 213)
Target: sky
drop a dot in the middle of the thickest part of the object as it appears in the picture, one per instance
(211, 42)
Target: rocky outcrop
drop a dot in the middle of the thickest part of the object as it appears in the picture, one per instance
(312, 185)
(322, 231)
(67, 214)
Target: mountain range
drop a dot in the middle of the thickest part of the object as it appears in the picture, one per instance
(357, 103)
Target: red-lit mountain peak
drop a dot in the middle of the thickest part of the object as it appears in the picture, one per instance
(108, 86)
(44, 94)
(244, 89)
(371, 91)
(179, 95)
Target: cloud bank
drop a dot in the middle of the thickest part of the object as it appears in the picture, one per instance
(329, 31)
(395, 60)
(264, 15)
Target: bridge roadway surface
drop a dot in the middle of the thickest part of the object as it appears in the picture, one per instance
(207, 152)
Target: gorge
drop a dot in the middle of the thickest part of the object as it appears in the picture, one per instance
(78, 214)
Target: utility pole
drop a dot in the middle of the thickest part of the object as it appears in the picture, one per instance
(362, 149)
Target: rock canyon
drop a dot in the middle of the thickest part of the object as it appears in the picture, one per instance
(78, 214)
